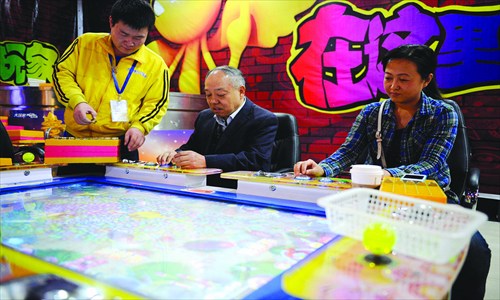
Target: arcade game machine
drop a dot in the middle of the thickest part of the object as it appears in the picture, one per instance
(143, 231)
(147, 231)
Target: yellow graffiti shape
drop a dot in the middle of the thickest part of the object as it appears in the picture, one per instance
(185, 23)
(243, 23)
(255, 23)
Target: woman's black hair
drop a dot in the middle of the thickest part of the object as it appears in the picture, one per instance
(137, 14)
(425, 59)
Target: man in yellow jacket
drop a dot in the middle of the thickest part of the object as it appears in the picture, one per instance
(111, 84)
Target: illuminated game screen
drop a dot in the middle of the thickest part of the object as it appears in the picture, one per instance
(158, 141)
(156, 244)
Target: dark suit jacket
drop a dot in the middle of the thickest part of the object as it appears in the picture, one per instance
(246, 144)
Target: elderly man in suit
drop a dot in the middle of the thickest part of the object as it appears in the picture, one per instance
(232, 134)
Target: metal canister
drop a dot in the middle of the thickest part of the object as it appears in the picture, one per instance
(42, 95)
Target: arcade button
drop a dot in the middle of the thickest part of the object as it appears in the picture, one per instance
(28, 157)
(302, 177)
(269, 174)
(326, 180)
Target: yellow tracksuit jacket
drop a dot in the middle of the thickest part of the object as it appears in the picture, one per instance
(83, 74)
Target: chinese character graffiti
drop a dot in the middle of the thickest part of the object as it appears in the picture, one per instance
(22, 61)
(335, 62)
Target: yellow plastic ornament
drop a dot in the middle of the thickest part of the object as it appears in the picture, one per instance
(54, 124)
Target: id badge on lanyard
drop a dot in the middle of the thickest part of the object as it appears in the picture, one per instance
(119, 107)
(119, 110)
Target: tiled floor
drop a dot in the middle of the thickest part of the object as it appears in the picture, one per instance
(491, 232)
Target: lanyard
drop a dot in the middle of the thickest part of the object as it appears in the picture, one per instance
(117, 87)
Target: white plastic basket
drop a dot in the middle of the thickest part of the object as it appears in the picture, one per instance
(424, 229)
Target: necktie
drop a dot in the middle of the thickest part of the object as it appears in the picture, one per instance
(219, 130)
(220, 126)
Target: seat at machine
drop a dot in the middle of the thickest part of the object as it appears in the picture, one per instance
(286, 146)
(464, 178)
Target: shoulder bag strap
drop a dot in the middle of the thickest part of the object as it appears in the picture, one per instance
(378, 135)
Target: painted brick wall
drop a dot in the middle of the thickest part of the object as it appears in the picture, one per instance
(321, 134)
(268, 81)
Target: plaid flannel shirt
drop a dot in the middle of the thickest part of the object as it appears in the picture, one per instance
(425, 142)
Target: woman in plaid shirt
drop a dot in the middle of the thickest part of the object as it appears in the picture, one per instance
(418, 131)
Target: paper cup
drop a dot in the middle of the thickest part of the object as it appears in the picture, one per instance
(366, 176)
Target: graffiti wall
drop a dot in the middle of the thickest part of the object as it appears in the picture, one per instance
(319, 60)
